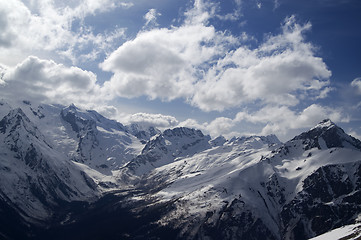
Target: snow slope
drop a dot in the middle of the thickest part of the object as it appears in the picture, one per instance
(98, 145)
(52, 153)
(260, 178)
(167, 147)
(244, 188)
(349, 232)
(34, 176)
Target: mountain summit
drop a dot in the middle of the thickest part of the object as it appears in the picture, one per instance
(327, 134)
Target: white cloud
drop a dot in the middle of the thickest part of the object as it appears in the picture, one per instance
(45, 28)
(277, 72)
(233, 16)
(356, 83)
(162, 63)
(280, 119)
(276, 4)
(218, 126)
(215, 71)
(126, 4)
(157, 120)
(355, 134)
(44, 80)
(151, 17)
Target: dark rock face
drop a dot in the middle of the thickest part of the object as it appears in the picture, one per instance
(330, 133)
(13, 120)
(86, 131)
(329, 200)
(171, 143)
(32, 157)
(20, 133)
(142, 133)
(235, 222)
(12, 225)
(108, 218)
(71, 119)
(275, 191)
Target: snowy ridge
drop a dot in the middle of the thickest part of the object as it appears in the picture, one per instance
(142, 132)
(327, 135)
(258, 172)
(103, 144)
(38, 147)
(28, 161)
(169, 146)
(180, 180)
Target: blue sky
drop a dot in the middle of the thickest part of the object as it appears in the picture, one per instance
(231, 67)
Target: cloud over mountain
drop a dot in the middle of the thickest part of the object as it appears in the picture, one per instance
(45, 80)
(126, 57)
(216, 71)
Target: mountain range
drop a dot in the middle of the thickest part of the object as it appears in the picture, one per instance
(68, 173)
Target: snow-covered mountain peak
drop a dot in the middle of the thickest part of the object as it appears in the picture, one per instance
(103, 144)
(180, 139)
(142, 132)
(256, 142)
(183, 132)
(327, 134)
(79, 118)
(53, 157)
(324, 124)
(218, 141)
(20, 135)
(17, 119)
(168, 146)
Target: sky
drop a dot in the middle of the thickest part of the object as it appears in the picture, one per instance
(231, 67)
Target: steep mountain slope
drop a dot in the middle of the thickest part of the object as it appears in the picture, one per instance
(102, 144)
(298, 190)
(62, 169)
(142, 132)
(34, 177)
(348, 232)
(99, 146)
(167, 147)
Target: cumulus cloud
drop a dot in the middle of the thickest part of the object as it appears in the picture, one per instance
(41, 80)
(279, 71)
(44, 80)
(156, 120)
(166, 63)
(215, 71)
(280, 119)
(46, 28)
(218, 126)
(162, 63)
(356, 84)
